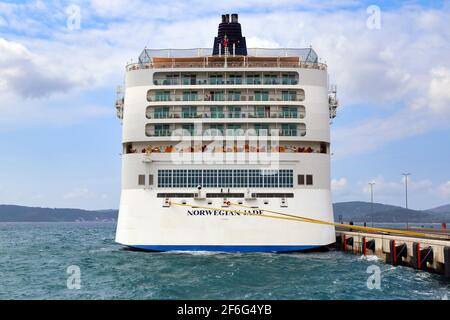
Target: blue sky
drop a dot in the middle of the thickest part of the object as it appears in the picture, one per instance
(61, 140)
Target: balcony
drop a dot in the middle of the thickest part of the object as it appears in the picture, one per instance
(161, 133)
(225, 114)
(214, 98)
(179, 131)
(226, 81)
(203, 58)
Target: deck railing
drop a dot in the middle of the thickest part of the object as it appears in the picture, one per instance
(207, 64)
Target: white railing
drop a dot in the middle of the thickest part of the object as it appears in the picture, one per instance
(238, 64)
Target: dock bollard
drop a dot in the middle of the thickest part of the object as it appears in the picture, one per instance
(344, 243)
(447, 261)
(349, 242)
(338, 241)
(364, 247)
(397, 252)
(370, 245)
(422, 256)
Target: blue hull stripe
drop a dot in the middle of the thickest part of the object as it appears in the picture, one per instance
(220, 248)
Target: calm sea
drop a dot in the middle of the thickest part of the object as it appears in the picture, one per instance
(35, 258)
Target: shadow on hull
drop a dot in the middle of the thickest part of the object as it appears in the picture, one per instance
(232, 249)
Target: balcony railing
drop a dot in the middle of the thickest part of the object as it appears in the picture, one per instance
(299, 97)
(213, 132)
(229, 64)
(174, 82)
(224, 115)
(161, 133)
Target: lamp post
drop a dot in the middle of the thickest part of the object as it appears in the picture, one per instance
(371, 199)
(406, 197)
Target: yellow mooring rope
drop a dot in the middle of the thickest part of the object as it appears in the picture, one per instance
(286, 216)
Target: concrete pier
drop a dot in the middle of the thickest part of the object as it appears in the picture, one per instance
(431, 253)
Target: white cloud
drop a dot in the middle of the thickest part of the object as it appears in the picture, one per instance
(255, 42)
(338, 184)
(398, 187)
(77, 194)
(444, 189)
(439, 91)
(422, 194)
(20, 72)
(402, 69)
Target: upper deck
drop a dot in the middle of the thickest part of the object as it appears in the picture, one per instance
(204, 58)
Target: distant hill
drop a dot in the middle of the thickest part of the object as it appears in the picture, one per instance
(356, 211)
(12, 213)
(359, 211)
(441, 209)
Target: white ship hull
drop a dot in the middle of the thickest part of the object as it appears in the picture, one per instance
(145, 224)
(270, 107)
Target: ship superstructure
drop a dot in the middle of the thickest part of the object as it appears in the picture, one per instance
(209, 128)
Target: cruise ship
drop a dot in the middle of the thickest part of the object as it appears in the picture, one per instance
(215, 138)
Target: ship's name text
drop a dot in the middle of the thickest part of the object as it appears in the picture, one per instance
(208, 212)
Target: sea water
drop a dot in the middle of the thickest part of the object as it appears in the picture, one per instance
(82, 261)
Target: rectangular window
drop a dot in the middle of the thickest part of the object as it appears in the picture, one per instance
(301, 179)
(171, 80)
(234, 129)
(288, 95)
(261, 95)
(216, 112)
(270, 178)
(216, 129)
(190, 96)
(162, 130)
(188, 129)
(162, 96)
(286, 178)
(255, 179)
(289, 130)
(262, 129)
(141, 180)
(237, 178)
(189, 111)
(240, 178)
(150, 179)
(253, 79)
(309, 180)
(234, 95)
(189, 79)
(165, 178)
(194, 178)
(289, 112)
(225, 178)
(179, 178)
(161, 112)
(216, 79)
(235, 79)
(217, 96)
(262, 112)
(270, 79)
(289, 79)
(210, 178)
(234, 112)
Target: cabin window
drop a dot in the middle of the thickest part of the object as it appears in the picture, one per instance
(236, 178)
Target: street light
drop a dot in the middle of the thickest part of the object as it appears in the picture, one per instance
(371, 199)
(406, 197)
